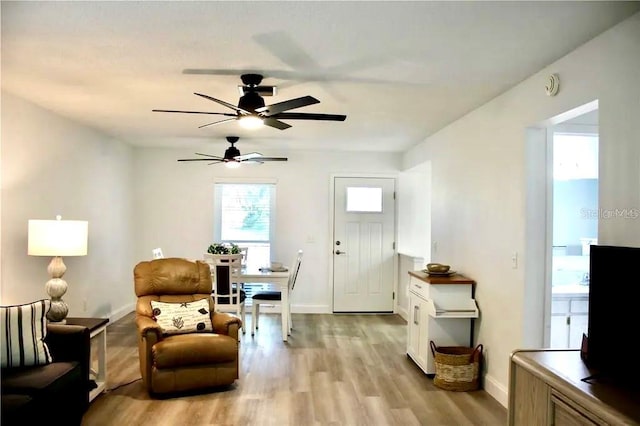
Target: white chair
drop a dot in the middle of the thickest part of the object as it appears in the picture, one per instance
(274, 298)
(228, 295)
(244, 251)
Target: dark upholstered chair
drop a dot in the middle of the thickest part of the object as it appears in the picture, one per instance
(173, 358)
(270, 297)
(57, 392)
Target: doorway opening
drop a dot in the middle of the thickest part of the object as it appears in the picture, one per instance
(574, 223)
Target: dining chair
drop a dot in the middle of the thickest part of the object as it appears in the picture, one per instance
(228, 294)
(274, 298)
(244, 251)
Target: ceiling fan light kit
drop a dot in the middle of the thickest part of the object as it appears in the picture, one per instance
(252, 112)
(251, 122)
(232, 164)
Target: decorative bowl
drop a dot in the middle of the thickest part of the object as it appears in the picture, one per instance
(438, 267)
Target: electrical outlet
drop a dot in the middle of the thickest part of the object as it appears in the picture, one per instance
(434, 247)
(514, 260)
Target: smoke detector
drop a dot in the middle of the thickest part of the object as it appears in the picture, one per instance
(553, 85)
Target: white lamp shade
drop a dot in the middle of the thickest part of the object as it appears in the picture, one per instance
(58, 237)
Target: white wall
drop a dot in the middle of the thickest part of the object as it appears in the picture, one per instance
(53, 166)
(479, 188)
(414, 211)
(174, 207)
(414, 227)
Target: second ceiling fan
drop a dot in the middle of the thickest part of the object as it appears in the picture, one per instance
(232, 157)
(252, 111)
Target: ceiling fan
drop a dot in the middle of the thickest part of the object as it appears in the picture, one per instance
(232, 157)
(252, 112)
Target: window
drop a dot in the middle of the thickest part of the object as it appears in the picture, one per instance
(364, 200)
(244, 215)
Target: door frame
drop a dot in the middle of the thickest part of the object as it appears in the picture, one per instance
(537, 264)
(578, 129)
(332, 179)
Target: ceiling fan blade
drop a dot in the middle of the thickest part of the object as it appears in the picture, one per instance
(274, 73)
(209, 71)
(309, 116)
(256, 157)
(284, 47)
(272, 122)
(217, 122)
(249, 156)
(201, 159)
(227, 104)
(215, 157)
(194, 112)
(276, 108)
(271, 159)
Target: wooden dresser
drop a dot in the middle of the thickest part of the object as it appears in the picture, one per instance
(545, 388)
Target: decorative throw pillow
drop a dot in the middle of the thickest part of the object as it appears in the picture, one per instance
(23, 329)
(184, 317)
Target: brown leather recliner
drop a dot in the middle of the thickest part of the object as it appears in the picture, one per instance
(180, 362)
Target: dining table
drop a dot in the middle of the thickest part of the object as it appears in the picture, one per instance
(277, 278)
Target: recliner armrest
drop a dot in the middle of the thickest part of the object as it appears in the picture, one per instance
(147, 325)
(226, 323)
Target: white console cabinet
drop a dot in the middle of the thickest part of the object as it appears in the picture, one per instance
(441, 308)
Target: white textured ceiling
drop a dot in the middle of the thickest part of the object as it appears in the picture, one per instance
(399, 70)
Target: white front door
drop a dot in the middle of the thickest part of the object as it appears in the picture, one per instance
(363, 244)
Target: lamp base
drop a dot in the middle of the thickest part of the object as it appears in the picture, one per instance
(56, 287)
(58, 311)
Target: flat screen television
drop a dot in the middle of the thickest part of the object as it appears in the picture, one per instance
(614, 313)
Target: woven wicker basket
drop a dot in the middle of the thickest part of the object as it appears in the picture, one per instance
(457, 367)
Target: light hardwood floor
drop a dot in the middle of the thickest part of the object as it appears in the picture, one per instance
(334, 370)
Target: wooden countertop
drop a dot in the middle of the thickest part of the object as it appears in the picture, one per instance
(441, 279)
(564, 371)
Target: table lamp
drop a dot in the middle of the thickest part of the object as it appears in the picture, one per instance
(57, 238)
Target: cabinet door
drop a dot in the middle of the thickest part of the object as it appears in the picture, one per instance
(418, 341)
(413, 326)
(578, 324)
(528, 398)
(566, 413)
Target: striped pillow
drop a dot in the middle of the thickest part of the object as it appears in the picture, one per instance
(23, 329)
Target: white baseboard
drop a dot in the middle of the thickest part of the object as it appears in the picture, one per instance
(125, 310)
(403, 313)
(295, 309)
(496, 390)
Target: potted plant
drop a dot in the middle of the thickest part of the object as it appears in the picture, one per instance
(223, 248)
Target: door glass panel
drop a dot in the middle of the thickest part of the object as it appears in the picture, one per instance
(364, 200)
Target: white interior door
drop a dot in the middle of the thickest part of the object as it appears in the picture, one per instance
(363, 244)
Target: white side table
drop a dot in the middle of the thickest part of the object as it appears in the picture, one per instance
(97, 367)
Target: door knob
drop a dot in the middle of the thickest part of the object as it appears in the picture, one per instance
(340, 252)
